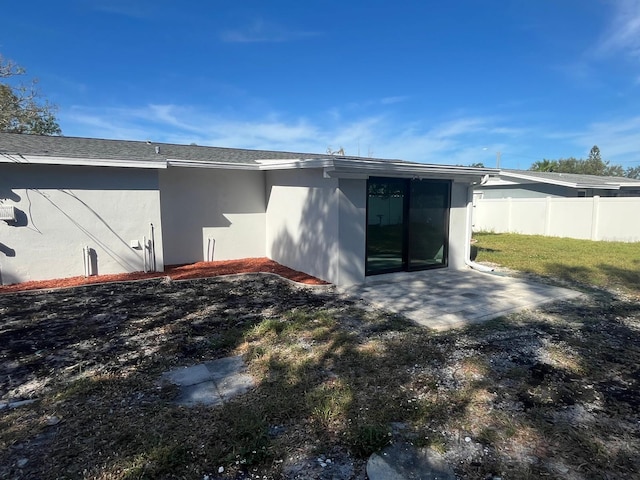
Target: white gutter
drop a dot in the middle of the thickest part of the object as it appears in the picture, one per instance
(467, 246)
(172, 162)
(344, 168)
(88, 162)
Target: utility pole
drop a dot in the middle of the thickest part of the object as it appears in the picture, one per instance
(498, 154)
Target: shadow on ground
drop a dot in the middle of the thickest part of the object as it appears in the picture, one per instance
(551, 392)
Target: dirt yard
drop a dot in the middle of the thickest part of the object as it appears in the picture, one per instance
(550, 393)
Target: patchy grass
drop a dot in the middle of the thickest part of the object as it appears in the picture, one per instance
(603, 264)
(551, 393)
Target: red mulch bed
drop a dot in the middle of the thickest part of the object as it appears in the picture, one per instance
(176, 272)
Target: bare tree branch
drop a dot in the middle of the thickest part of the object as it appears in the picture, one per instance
(22, 109)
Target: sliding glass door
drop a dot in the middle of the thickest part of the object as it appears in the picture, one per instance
(407, 224)
(386, 208)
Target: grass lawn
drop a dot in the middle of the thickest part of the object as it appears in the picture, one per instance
(551, 393)
(585, 262)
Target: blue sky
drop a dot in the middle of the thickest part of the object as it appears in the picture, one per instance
(430, 81)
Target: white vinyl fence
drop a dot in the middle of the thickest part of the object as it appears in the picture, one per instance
(592, 218)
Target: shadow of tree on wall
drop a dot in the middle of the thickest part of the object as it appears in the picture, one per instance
(26, 220)
(69, 207)
(315, 247)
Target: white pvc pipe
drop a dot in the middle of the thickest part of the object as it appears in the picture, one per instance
(467, 247)
(144, 254)
(211, 245)
(86, 257)
(152, 248)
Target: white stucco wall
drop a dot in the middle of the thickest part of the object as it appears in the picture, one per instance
(227, 206)
(459, 231)
(318, 225)
(302, 222)
(62, 209)
(352, 231)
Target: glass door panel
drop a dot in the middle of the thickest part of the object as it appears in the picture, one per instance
(428, 224)
(386, 225)
(407, 224)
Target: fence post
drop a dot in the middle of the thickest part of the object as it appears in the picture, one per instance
(547, 217)
(595, 218)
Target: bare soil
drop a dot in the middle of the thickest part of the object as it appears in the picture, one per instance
(551, 393)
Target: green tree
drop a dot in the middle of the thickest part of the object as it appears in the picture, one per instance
(593, 165)
(633, 172)
(544, 166)
(22, 109)
(615, 171)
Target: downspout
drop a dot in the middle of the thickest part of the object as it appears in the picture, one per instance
(467, 253)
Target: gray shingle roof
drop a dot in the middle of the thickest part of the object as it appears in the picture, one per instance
(553, 177)
(93, 148)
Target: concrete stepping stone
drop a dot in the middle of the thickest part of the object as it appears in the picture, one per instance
(224, 367)
(205, 393)
(211, 383)
(401, 461)
(185, 377)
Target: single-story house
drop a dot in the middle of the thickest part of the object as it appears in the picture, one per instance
(530, 184)
(73, 206)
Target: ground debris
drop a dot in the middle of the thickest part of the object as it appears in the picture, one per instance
(547, 393)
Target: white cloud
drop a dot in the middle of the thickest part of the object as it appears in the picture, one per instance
(262, 32)
(618, 139)
(125, 8)
(459, 141)
(623, 33)
(392, 100)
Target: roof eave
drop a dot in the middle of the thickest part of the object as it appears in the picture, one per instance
(175, 162)
(364, 169)
(86, 162)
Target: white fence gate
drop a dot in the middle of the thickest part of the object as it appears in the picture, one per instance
(592, 218)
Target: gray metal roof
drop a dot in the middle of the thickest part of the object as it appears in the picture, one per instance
(578, 180)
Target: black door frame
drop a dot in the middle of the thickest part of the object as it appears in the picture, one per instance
(406, 246)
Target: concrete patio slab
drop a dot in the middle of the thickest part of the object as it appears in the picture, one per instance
(443, 299)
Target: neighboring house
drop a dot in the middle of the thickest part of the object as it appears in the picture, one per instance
(529, 184)
(74, 206)
(558, 205)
